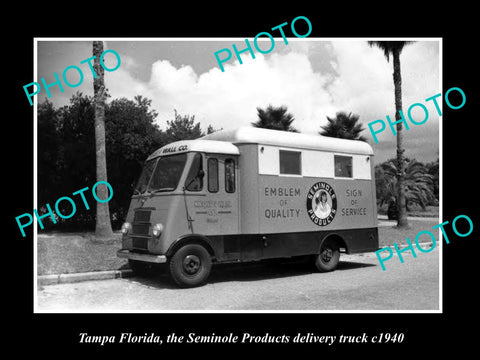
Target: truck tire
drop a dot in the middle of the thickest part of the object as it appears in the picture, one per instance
(140, 267)
(190, 265)
(329, 256)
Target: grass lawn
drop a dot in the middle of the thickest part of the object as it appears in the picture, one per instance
(62, 253)
(390, 234)
(415, 210)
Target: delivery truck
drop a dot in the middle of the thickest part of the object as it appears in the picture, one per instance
(250, 194)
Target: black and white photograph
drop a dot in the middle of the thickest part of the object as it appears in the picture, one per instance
(275, 189)
(273, 183)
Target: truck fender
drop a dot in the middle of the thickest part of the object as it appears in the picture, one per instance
(334, 237)
(192, 239)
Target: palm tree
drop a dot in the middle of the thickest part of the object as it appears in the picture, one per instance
(103, 227)
(433, 170)
(395, 48)
(275, 118)
(419, 184)
(344, 126)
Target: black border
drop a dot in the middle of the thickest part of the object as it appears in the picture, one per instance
(57, 334)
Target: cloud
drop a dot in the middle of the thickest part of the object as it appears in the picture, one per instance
(313, 79)
(168, 80)
(364, 85)
(229, 99)
(365, 82)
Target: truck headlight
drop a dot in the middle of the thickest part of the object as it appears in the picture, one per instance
(157, 230)
(126, 226)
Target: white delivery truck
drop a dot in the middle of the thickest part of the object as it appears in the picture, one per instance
(251, 194)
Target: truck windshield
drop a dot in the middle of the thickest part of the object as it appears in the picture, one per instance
(161, 174)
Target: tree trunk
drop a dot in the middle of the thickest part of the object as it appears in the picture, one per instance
(397, 81)
(103, 228)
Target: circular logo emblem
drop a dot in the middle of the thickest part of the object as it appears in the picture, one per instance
(321, 203)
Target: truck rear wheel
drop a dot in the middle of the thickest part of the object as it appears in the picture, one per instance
(190, 265)
(329, 256)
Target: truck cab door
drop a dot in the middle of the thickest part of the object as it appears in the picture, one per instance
(215, 209)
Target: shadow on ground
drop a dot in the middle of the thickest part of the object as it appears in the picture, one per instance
(245, 272)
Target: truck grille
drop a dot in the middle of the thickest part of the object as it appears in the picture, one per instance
(142, 216)
(139, 243)
(141, 229)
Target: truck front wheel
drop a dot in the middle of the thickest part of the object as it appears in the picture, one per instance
(190, 265)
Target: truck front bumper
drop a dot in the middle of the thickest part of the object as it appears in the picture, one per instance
(127, 254)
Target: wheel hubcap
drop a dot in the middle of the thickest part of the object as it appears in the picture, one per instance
(327, 254)
(191, 264)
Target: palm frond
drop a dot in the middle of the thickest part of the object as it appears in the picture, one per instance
(388, 47)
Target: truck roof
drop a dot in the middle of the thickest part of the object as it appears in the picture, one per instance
(200, 145)
(253, 135)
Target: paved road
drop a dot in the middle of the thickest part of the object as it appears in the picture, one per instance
(358, 284)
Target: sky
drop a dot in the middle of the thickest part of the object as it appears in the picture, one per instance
(313, 77)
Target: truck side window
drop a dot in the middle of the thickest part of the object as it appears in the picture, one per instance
(290, 162)
(343, 166)
(212, 165)
(197, 184)
(229, 175)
